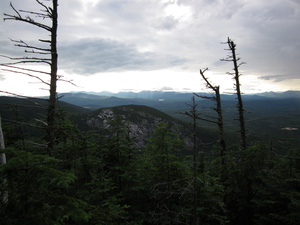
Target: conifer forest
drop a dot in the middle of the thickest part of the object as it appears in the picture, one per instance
(54, 170)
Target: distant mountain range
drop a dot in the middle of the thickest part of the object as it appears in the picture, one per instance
(269, 116)
(158, 99)
(170, 95)
(141, 120)
(175, 103)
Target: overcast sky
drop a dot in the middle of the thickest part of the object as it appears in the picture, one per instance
(117, 45)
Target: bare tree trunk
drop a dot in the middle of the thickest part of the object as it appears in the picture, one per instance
(220, 123)
(218, 109)
(53, 82)
(4, 195)
(2, 146)
(194, 116)
(236, 75)
(45, 13)
(195, 203)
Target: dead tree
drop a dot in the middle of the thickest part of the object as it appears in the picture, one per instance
(4, 195)
(236, 75)
(218, 109)
(2, 146)
(47, 55)
(194, 116)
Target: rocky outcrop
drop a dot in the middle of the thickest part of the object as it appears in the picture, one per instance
(141, 121)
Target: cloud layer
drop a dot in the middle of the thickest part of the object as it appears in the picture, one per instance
(98, 36)
(90, 56)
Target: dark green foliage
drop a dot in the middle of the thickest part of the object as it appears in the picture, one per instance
(102, 177)
(164, 177)
(257, 188)
(38, 192)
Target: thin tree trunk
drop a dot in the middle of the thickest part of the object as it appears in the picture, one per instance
(220, 124)
(52, 14)
(195, 203)
(53, 82)
(218, 109)
(193, 114)
(236, 76)
(4, 195)
(2, 146)
(239, 95)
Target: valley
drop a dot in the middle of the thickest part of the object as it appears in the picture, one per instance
(270, 117)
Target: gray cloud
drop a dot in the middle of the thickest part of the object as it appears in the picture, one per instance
(124, 35)
(278, 78)
(166, 88)
(8, 49)
(2, 77)
(90, 56)
(166, 23)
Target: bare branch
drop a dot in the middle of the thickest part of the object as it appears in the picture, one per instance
(47, 9)
(46, 12)
(37, 144)
(35, 52)
(205, 97)
(27, 74)
(16, 11)
(25, 60)
(22, 123)
(23, 44)
(37, 14)
(27, 19)
(42, 40)
(236, 75)
(207, 120)
(68, 81)
(30, 70)
(23, 97)
(208, 84)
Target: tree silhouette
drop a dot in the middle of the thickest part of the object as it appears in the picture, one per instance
(218, 109)
(38, 54)
(236, 75)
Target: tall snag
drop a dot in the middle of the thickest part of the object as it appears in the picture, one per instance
(46, 55)
(2, 146)
(218, 108)
(194, 116)
(232, 58)
(4, 194)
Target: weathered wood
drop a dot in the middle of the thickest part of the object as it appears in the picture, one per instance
(240, 106)
(46, 13)
(4, 194)
(2, 145)
(236, 76)
(218, 109)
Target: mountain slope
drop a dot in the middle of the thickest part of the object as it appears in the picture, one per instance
(267, 114)
(141, 120)
(32, 108)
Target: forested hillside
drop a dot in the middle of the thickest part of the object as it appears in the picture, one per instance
(124, 159)
(267, 114)
(98, 174)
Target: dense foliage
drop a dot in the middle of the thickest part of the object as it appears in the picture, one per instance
(101, 177)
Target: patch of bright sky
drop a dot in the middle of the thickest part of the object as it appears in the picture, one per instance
(159, 80)
(179, 12)
(163, 80)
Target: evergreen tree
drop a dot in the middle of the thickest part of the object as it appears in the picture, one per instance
(164, 177)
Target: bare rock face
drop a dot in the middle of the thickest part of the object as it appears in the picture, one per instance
(140, 120)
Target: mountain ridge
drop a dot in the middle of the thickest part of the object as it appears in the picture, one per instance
(161, 94)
